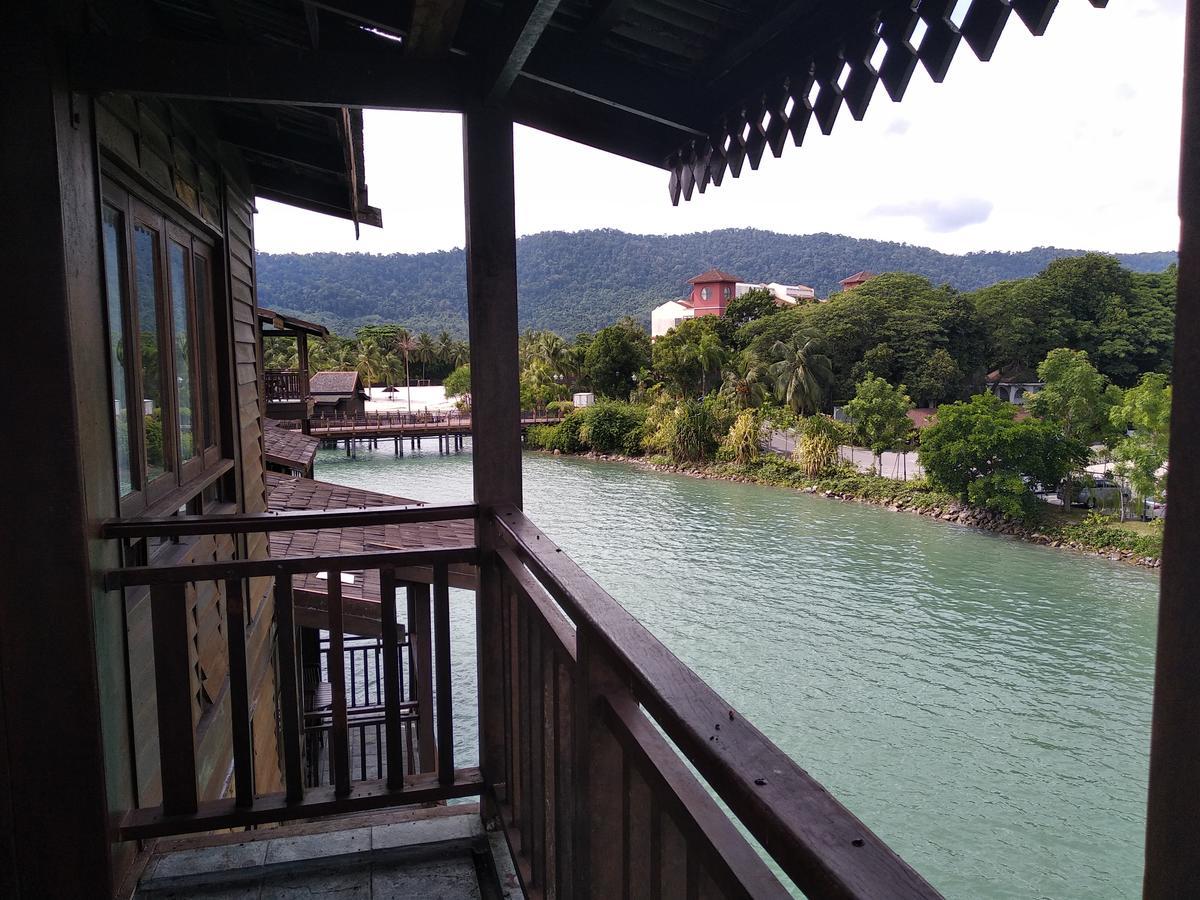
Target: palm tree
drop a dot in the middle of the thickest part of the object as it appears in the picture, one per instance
(424, 352)
(552, 350)
(711, 355)
(405, 345)
(445, 349)
(368, 360)
(460, 355)
(743, 382)
(801, 373)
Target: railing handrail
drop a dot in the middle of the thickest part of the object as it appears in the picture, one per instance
(821, 845)
(289, 520)
(135, 576)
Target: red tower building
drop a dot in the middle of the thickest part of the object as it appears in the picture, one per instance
(712, 291)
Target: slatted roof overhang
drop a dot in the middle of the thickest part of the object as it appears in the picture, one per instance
(700, 88)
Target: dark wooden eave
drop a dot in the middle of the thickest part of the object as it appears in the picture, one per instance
(697, 87)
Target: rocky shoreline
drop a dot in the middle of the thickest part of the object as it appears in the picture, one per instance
(957, 513)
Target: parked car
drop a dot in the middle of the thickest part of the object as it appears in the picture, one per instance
(1154, 509)
(1093, 492)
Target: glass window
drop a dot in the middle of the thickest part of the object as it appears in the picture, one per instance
(114, 291)
(184, 349)
(728, 291)
(704, 293)
(146, 286)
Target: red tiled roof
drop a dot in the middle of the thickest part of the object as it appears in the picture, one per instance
(857, 277)
(712, 275)
(334, 383)
(922, 416)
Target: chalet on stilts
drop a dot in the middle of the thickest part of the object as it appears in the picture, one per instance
(286, 392)
(186, 636)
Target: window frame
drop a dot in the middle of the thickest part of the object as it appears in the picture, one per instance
(208, 423)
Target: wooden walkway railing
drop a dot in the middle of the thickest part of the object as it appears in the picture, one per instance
(600, 721)
(181, 810)
(615, 770)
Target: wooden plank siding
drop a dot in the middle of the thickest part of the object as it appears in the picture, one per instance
(153, 146)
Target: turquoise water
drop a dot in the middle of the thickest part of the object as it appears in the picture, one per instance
(983, 704)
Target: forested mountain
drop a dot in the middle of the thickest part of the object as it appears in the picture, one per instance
(582, 281)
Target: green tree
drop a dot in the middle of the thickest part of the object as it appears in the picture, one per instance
(614, 358)
(749, 307)
(744, 383)
(801, 373)
(458, 384)
(424, 351)
(1144, 418)
(1075, 397)
(980, 451)
(880, 415)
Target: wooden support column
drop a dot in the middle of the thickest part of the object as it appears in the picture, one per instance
(491, 243)
(1173, 814)
(302, 365)
(67, 774)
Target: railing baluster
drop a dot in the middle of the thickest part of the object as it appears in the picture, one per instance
(391, 678)
(421, 645)
(548, 680)
(537, 747)
(239, 693)
(336, 662)
(445, 696)
(289, 696)
(353, 678)
(638, 822)
(525, 803)
(173, 687)
(564, 777)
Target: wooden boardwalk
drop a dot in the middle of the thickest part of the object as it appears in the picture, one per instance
(371, 426)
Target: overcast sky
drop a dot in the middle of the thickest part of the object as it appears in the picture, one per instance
(1070, 139)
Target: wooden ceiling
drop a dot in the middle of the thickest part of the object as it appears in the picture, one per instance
(700, 88)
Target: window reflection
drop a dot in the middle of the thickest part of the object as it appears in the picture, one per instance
(146, 274)
(185, 375)
(114, 291)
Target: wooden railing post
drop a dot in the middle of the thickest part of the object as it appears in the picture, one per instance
(599, 833)
(420, 638)
(391, 678)
(239, 693)
(445, 690)
(289, 694)
(173, 689)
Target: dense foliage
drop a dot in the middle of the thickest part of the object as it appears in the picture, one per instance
(982, 452)
(571, 282)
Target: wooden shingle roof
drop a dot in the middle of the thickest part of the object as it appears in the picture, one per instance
(284, 447)
(345, 383)
(697, 87)
(285, 492)
(712, 275)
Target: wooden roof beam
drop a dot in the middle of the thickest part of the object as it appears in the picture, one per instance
(273, 75)
(604, 16)
(433, 26)
(520, 29)
(575, 68)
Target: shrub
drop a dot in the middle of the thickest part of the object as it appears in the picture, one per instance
(817, 449)
(607, 426)
(743, 441)
(540, 437)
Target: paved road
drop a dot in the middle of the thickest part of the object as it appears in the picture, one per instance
(901, 466)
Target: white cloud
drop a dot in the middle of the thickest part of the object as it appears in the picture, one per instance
(940, 216)
(1046, 133)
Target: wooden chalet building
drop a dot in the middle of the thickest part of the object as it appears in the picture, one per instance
(156, 629)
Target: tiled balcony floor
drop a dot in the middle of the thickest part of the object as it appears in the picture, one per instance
(438, 854)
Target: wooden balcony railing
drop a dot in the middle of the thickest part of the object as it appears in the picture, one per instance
(600, 722)
(613, 768)
(181, 810)
(279, 386)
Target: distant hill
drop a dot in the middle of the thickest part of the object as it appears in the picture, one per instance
(582, 281)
